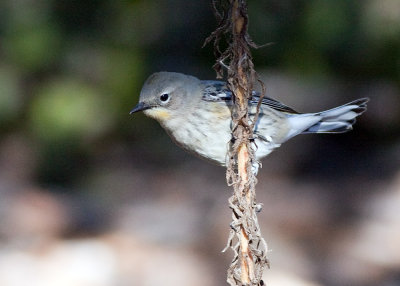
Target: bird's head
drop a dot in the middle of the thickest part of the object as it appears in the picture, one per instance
(165, 95)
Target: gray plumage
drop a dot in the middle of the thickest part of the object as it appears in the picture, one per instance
(197, 115)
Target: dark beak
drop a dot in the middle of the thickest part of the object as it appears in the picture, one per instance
(140, 107)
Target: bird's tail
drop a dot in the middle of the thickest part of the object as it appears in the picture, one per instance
(335, 120)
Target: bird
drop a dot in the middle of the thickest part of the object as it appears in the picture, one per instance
(197, 115)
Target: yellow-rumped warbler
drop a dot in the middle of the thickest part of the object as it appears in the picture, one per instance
(197, 115)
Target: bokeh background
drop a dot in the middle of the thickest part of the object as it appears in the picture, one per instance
(91, 196)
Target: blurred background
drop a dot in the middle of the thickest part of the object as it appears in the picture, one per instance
(91, 196)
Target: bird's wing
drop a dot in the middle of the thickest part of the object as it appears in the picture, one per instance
(218, 91)
(272, 103)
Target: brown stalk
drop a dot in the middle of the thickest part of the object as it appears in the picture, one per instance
(245, 238)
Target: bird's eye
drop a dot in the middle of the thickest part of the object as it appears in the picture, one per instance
(164, 97)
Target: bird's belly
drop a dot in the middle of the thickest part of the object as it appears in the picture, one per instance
(210, 141)
(263, 148)
(210, 138)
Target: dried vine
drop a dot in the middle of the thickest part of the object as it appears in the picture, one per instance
(245, 237)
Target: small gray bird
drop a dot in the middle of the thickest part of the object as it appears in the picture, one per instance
(197, 116)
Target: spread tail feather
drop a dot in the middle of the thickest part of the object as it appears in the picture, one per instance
(339, 119)
(336, 120)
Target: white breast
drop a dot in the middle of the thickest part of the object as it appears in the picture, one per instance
(210, 138)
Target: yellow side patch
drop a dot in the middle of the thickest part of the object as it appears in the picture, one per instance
(158, 113)
(222, 112)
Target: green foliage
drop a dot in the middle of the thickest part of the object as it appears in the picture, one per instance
(33, 48)
(65, 109)
(70, 71)
(327, 23)
(10, 95)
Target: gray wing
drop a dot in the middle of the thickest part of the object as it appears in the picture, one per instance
(218, 91)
